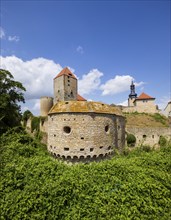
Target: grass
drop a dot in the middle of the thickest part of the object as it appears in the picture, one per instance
(146, 120)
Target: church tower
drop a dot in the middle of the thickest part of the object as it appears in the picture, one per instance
(132, 95)
(65, 86)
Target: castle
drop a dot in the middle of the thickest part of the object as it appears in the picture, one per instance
(78, 129)
(142, 103)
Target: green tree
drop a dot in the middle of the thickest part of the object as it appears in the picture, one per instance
(26, 115)
(11, 93)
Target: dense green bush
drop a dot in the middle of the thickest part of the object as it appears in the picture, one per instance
(35, 124)
(26, 115)
(36, 186)
(162, 141)
(131, 140)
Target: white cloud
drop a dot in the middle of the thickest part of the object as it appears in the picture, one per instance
(89, 82)
(124, 103)
(162, 103)
(117, 85)
(36, 105)
(80, 49)
(32, 105)
(13, 38)
(2, 33)
(36, 75)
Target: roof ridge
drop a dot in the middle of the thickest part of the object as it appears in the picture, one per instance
(143, 95)
(65, 71)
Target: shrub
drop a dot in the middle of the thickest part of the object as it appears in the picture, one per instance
(131, 140)
(162, 141)
(35, 124)
(145, 148)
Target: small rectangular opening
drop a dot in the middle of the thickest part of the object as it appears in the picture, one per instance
(91, 149)
(81, 149)
(66, 148)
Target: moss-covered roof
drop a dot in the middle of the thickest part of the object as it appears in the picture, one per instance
(84, 107)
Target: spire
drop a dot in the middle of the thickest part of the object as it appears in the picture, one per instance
(132, 89)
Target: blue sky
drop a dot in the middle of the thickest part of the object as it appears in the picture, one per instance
(105, 43)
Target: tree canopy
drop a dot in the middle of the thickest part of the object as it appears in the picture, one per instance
(11, 93)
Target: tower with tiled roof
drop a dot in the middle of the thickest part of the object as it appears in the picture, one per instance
(65, 86)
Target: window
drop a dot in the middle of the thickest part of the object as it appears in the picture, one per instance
(82, 138)
(67, 129)
(144, 135)
(81, 149)
(91, 149)
(107, 128)
(101, 147)
(66, 148)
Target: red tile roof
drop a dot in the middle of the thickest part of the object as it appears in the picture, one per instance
(66, 72)
(80, 98)
(144, 96)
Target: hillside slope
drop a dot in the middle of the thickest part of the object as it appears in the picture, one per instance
(146, 120)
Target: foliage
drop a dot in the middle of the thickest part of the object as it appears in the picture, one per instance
(36, 186)
(35, 124)
(11, 92)
(131, 140)
(162, 141)
(26, 115)
(146, 148)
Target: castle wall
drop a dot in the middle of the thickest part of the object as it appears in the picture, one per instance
(44, 125)
(83, 135)
(141, 108)
(149, 136)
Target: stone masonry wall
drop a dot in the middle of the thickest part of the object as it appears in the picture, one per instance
(149, 136)
(82, 135)
(147, 109)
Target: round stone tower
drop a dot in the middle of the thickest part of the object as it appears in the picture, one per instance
(85, 130)
(46, 104)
